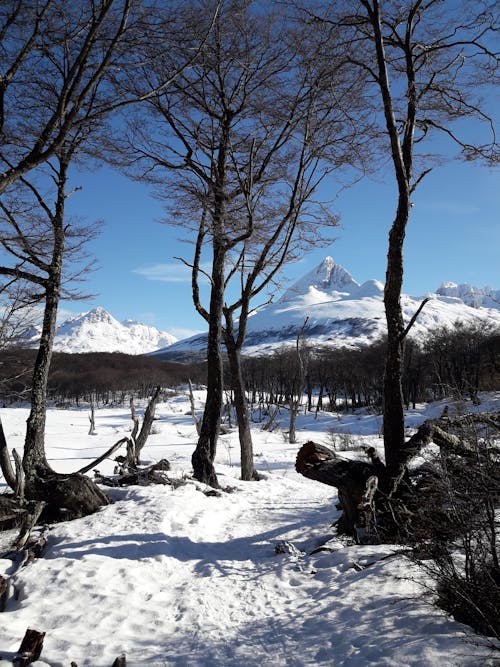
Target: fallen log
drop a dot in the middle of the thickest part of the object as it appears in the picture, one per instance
(352, 479)
(153, 474)
(106, 455)
(371, 501)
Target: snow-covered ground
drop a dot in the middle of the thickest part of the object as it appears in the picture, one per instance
(170, 576)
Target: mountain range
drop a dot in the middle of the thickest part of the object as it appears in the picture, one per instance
(98, 331)
(341, 312)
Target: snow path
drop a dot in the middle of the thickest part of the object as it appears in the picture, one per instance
(176, 578)
(170, 576)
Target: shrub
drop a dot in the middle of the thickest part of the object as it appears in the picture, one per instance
(456, 532)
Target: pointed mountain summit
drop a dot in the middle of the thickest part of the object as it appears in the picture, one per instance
(327, 280)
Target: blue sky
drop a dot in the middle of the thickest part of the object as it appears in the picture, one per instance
(453, 235)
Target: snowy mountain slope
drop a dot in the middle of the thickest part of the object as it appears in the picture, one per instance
(98, 331)
(343, 313)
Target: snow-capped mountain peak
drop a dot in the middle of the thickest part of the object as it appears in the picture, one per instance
(476, 297)
(342, 313)
(328, 279)
(98, 331)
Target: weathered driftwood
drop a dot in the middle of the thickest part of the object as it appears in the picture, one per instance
(30, 649)
(29, 520)
(106, 455)
(19, 490)
(135, 419)
(153, 474)
(14, 511)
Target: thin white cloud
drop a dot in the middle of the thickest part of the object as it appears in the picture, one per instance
(167, 273)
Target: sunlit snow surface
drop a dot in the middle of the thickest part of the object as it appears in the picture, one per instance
(173, 577)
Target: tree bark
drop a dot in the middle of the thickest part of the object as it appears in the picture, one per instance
(350, 478)
(5, 462)
(402, 154)
(204, 454)
(30, 649)
(248, 471)
(147, 422)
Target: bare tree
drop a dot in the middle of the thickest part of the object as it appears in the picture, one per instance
(239, 138)
(65, 64)
(428, 63)
(56, 61)
(63, 71)
(38, 238)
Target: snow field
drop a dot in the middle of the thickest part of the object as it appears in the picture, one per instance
(170, 576)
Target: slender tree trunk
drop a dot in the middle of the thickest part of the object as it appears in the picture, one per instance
(204, 454)
(248, 471)
(34, 460)
(297, 385)
(402, 156)
(394, 432)
(147, 423)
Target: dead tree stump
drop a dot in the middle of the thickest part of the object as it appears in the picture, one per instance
(30, 649)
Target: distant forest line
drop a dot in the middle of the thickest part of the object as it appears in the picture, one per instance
(462, 360)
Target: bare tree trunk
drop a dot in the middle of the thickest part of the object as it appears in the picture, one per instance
(34, 460)
(77, 494)
(402, 157)
(5, 462)
(92, 419)
(147, 422)
(298, 385)
(204, 454)
(193, 410)
(248, 471)
(394, 432)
